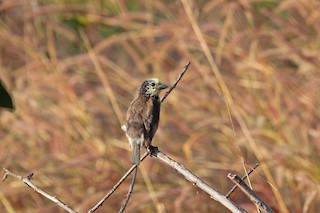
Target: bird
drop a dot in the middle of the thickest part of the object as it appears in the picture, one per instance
(143, 117)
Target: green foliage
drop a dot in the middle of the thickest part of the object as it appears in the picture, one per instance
(132, 5)
(106, 31)
(76, 22)
(264, 5)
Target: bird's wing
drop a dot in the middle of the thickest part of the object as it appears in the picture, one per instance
(151, 118)
(135, 122)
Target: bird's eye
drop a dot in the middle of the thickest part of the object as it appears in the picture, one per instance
(153, 84)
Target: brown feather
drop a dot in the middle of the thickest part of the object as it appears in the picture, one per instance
(143, 118)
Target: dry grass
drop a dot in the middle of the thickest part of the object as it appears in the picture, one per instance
(251, 94)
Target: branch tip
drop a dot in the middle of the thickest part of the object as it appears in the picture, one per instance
(30, 176)
(4, 177)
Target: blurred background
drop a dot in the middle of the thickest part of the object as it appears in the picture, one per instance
(251, 95)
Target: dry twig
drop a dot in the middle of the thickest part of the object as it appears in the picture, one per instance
(27, 181)
(176, 82)
(93, 209)
(243, 178)
(262, 206)
(196, 181)
(124, 205)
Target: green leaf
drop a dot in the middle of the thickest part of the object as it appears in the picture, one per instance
(5, 99)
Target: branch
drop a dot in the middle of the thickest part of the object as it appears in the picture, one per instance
(133, 167)
(243, 178)
(262, 206)
(196, 181)
(124, 205)
(27, 181)
(176, 82)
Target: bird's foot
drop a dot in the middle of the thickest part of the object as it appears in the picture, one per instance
(153, 150)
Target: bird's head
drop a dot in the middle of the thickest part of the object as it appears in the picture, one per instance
(152, 87)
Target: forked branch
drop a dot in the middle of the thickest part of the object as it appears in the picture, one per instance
(261, 205)
(196, 181)
(243, 178)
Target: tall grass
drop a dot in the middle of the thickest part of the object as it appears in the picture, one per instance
(251, 95)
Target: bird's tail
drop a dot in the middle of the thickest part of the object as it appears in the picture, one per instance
(135, 156)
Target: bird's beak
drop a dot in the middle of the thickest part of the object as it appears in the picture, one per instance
(162, 86)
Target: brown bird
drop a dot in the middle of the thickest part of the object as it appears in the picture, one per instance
(143, 117)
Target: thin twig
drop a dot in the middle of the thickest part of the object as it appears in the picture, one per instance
(27, 181)
(145, 154)
(124, 205)
(243, 178)
(177, 81)
(196, 181)
(262, 206)
(133, 167)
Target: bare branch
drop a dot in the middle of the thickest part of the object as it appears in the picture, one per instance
(117, 185)
(124, 205)
(176, 82)
(27, 181)
(262, 206)
(243, 178)
(196, 181)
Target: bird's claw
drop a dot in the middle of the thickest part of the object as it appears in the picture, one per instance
(153, 150)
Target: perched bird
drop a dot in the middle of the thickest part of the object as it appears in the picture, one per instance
(143, 117)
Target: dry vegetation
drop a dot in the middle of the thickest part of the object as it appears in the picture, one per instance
(251, 92)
